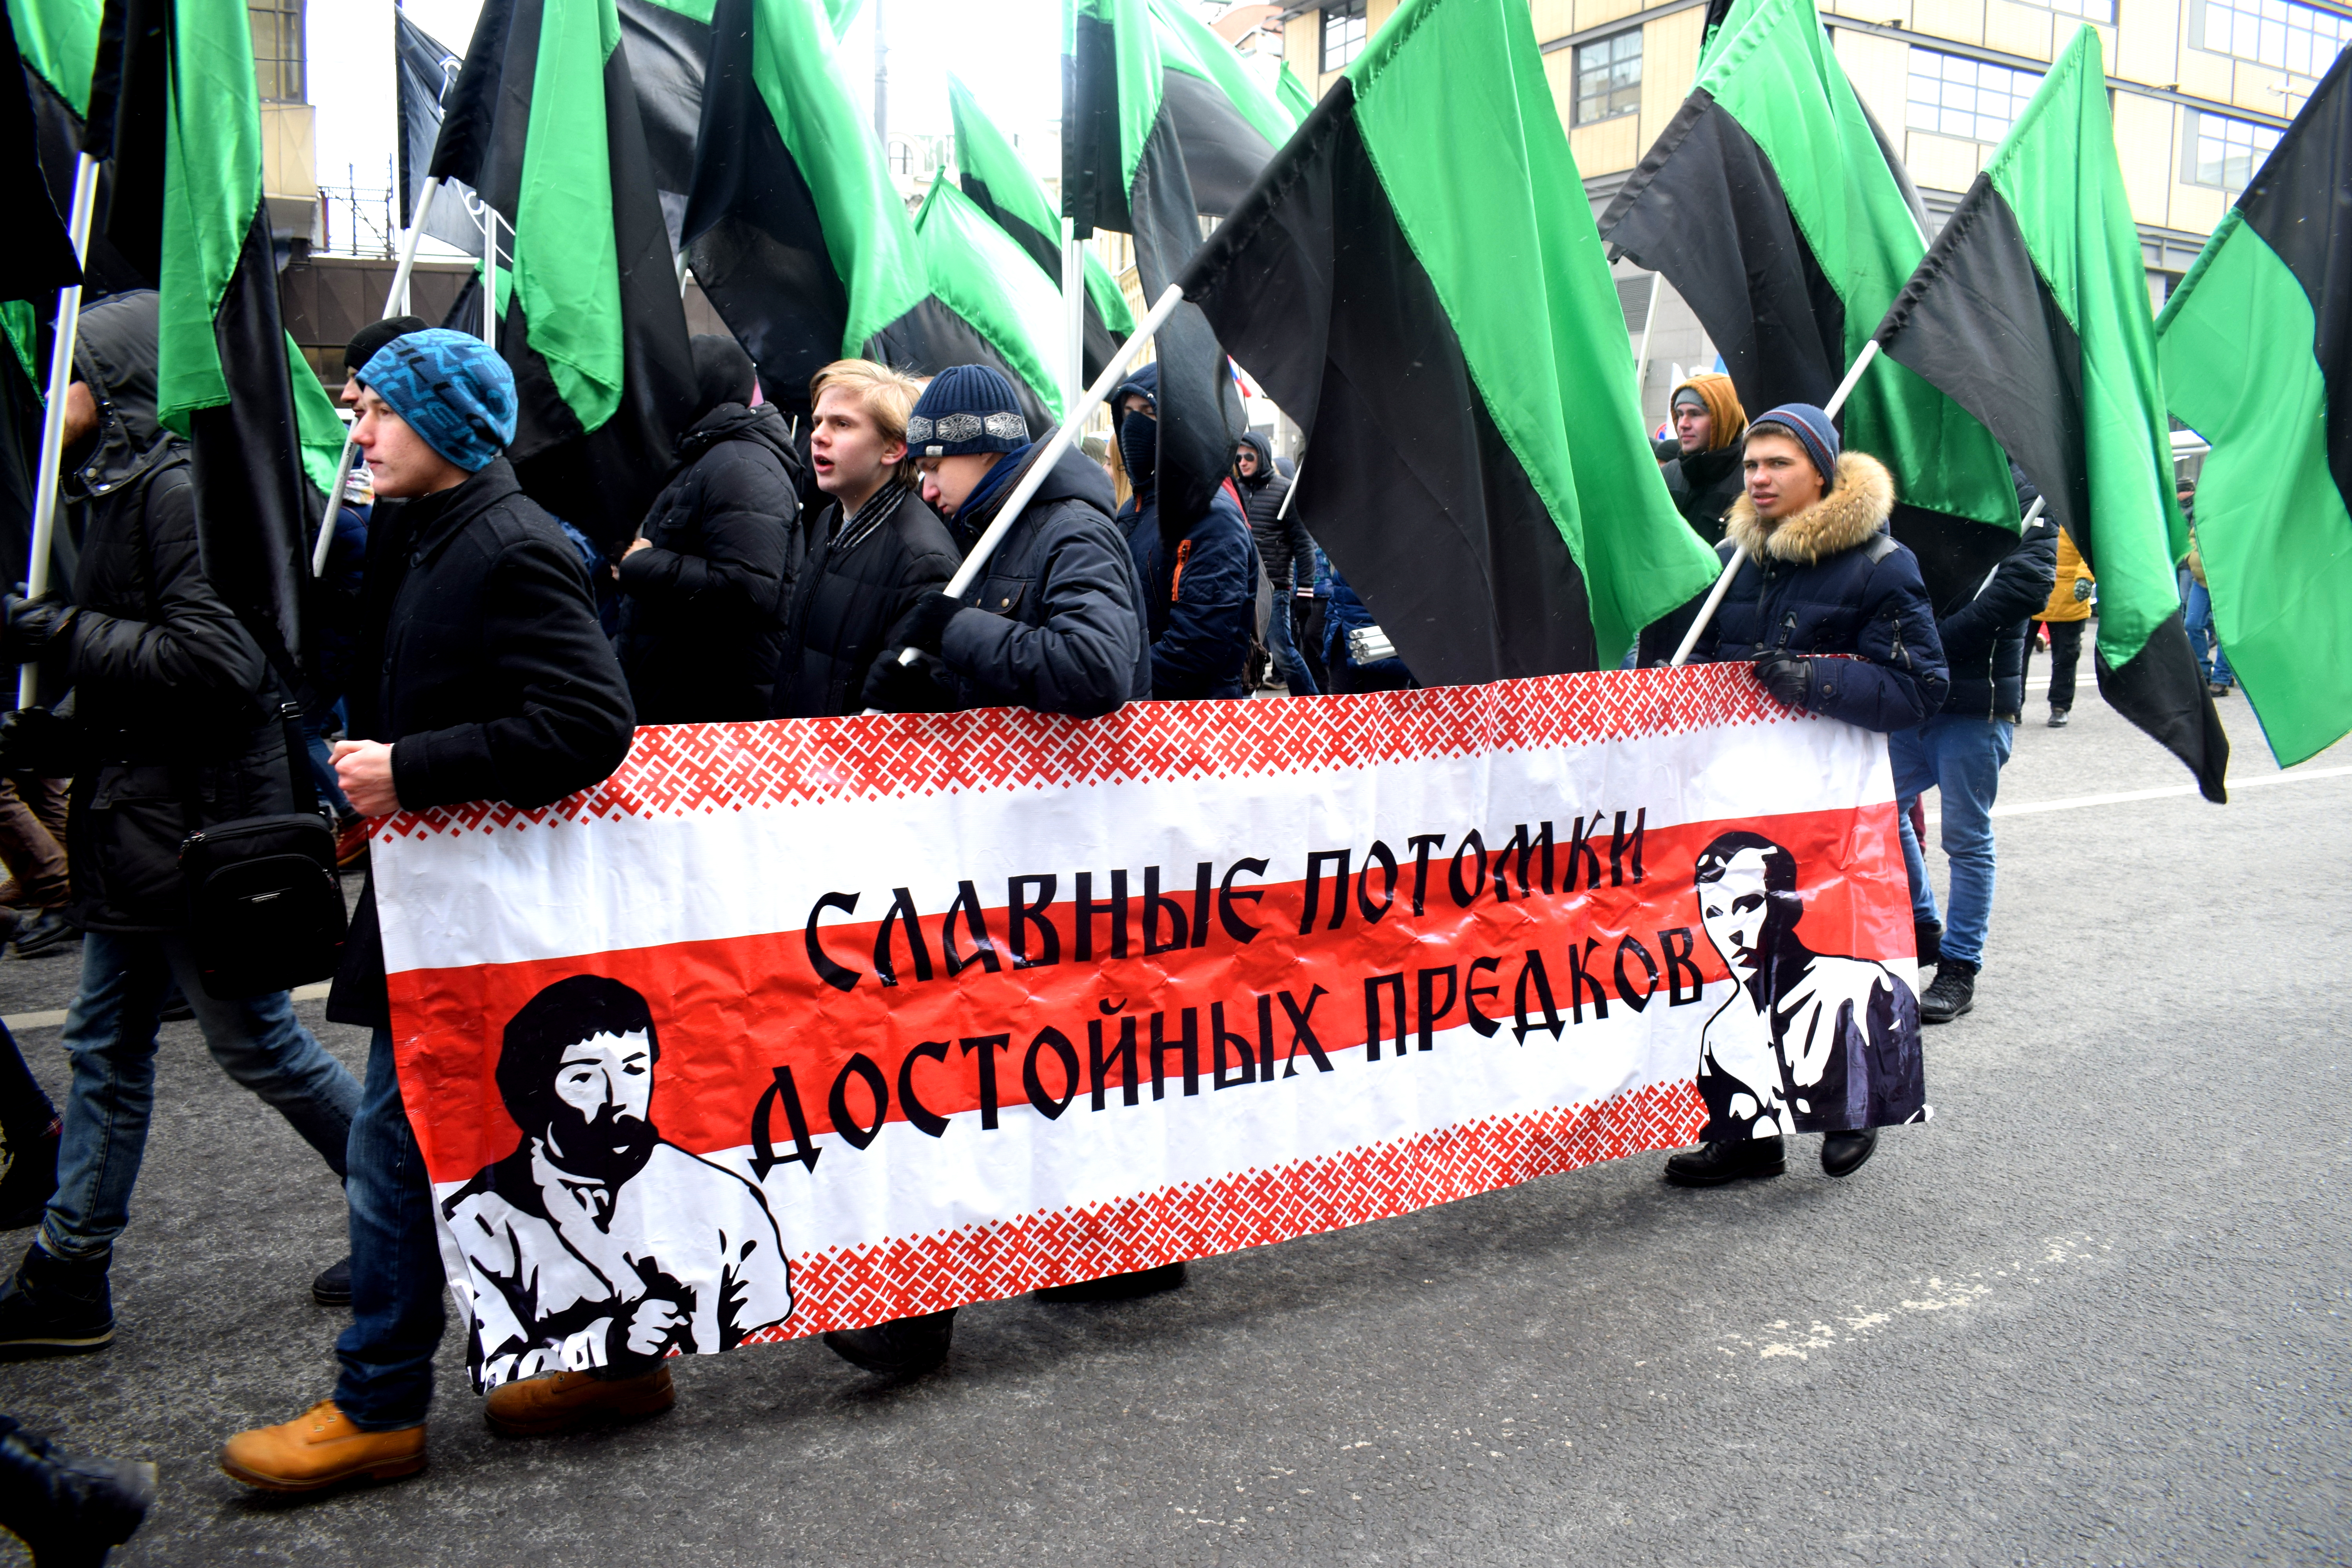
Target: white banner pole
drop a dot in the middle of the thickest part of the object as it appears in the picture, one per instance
(50, 471)
(395, 303)
(1641, 359)
(1731, 567)
(1073, 308)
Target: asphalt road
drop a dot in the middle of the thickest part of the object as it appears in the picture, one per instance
(2096, 1312)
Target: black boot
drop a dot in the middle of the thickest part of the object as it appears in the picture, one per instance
(1954, 992)
(1118, 1286)
(53, 1306)
(904, 1347)
(1844, 1153)
(331, 1287)
(1712, 1164)
(68, 1509)
(32, 1177)
(1929, 936)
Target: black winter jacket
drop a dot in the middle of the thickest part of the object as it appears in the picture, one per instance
(845, 602)
(1055, 623)
(174, 700)
(1831, 580)
(1984, 637)
(1200, 597)
(701, 604)
(1704, 484)
(482, 663)
(1282, 543)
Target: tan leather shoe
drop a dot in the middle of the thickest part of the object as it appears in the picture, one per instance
(567, 1401)
(320, 1448)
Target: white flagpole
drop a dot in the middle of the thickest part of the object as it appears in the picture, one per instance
(50, 472)
(1073, 308)
(395, 303)
(1641, 359)
(1731, 567)
(1073, 423)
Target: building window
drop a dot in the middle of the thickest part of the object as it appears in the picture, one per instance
(1343, 33)
(2225, 151)
(1956, 97)
(278, 49)
(1609, 76)
(2100, 11)
(2302, 39)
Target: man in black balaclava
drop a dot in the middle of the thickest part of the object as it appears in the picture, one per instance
(1199, 589)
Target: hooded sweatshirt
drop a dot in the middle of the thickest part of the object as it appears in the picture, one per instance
(1283, 546)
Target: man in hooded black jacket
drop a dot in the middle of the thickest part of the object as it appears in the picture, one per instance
(1199, 589)
(175, 728)
(1959, 752)
(1284, 548)
(704, 582)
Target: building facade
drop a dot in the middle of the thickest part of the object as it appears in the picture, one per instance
(2200, 91)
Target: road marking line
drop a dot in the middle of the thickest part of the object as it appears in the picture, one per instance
(56, 1017)
(2121, 797)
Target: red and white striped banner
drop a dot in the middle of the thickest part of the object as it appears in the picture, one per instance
(808, 1025)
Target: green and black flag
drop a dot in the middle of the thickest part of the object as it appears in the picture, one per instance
(542, 124)
(1417, 281)
(1002, 186)
(2031, 311)
(797, 235)
(2257, 350)
(1776, 208)
(1159, 131)
(185, 213)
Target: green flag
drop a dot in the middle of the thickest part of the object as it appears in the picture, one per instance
(1004, 188)
(2032, 313)
(1418, 282)
(976, 271)
(2257, 350)
(1775, 208)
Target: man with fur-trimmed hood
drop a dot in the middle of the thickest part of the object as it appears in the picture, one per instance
(1833, 616)
(1823, 576)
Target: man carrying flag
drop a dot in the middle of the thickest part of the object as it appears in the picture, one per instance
(2031, 312)
(2257, 350)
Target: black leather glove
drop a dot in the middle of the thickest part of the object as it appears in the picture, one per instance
(896, 688)
(36, 741)
(29, 624)
(1787, 676)
(924, 625)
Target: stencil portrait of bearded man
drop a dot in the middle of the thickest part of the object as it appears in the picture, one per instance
(1807, 1042)
(602, 1245)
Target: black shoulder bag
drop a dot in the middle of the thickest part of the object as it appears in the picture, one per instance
(265, 905)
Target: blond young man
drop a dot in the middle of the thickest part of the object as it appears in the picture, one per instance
(876, 551)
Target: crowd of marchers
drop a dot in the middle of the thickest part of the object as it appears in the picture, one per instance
(477, 649)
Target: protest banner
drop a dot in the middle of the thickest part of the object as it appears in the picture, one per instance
(813, 1024)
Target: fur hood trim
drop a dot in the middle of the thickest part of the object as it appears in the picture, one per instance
(1853, 511)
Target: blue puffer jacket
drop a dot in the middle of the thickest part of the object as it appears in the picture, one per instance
(1832, 580)
(1200, 595)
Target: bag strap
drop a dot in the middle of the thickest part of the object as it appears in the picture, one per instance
(273, 648)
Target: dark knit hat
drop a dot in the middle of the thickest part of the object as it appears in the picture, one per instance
(1812, 429)
(374, 336)
(452, 388)
(967, 408)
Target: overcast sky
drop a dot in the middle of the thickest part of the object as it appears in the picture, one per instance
(1007, 50)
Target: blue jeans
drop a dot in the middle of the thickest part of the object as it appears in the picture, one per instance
(322, 767)
(109, 1035)
(1960, 758)
(1295, 676)
(2196, 617)
(397, 1312)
